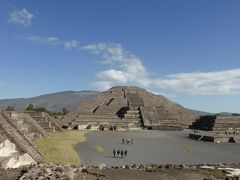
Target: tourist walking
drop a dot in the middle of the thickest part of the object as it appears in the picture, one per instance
(118, 152)
(121, 153)
(131, 141)
(122, 141)
(114, 152)
(125, 152)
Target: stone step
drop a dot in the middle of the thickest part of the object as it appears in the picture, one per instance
(19, 139)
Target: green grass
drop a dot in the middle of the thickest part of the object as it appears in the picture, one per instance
(99, 149)
(59, 148)
(186, 149)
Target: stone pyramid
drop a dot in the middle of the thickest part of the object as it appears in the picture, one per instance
(129, 107)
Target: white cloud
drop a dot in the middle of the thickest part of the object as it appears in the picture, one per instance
(47, 40)
(225, 82)
(51, 40)
(71, 44)
(103, 85)
(23, 17)
(114, 75)
(2, 83)
(130, 68)
(127, 69)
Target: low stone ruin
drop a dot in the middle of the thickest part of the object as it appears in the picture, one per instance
(45, 121)
(18, 132)
(217, 128)
(126, 108)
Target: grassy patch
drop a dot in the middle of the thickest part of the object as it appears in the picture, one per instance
(99, 149)
(59, 149)
(186, 149)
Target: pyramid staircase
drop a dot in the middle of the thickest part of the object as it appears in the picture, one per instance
(23, 144)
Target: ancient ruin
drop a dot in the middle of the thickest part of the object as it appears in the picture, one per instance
(122, 108)
(217, 128)
(45, 121)
(18, 131)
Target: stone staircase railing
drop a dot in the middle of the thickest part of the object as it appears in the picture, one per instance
(20, 140)
(35, 124)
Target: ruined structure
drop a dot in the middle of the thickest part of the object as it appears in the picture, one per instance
(217, 123)
(45, 121)
(217, 128)
(127, 108)
(18, 131)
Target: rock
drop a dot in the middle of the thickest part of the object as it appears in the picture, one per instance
(48, 170)
(58, 175)
(59, 169)
(160, 167)
(70, 173)
(101, 166)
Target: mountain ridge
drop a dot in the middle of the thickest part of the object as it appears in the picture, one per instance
(71, 101)
(53, 101)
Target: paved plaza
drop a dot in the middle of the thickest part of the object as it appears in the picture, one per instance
(158, 147)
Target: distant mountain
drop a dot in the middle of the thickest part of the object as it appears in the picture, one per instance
(225, 114)
(67, 99)
(53, 102)
(200, 113)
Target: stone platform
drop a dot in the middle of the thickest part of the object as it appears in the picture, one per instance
(214, 137)
(217, 128)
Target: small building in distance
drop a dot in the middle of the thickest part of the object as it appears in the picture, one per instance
(217, 128)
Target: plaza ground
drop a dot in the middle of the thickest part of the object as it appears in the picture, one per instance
(158, 147)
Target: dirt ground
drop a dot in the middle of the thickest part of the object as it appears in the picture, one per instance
(11, 174)
(172, 174)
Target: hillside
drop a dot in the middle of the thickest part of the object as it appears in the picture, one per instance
(53, 102)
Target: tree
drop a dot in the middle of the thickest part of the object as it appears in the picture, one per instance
(64, 111)
(10, 108)
(30, 108)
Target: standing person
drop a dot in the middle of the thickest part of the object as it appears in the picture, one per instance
(122, 141)
(118, 152)
(125, 152)
(121, 153)
(131, 141)
(114, 152)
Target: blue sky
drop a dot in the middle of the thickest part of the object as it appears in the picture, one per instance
(187, 50)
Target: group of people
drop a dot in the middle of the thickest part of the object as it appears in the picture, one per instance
(120, 153)
(127, 141)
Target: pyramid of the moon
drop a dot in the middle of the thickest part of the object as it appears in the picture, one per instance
(125, 107)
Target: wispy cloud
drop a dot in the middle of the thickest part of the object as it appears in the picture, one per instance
(52, 40)
(2, 83)
(127, 69)
(48, 40)
(71, 44)
(225, 82)
(22, 17)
